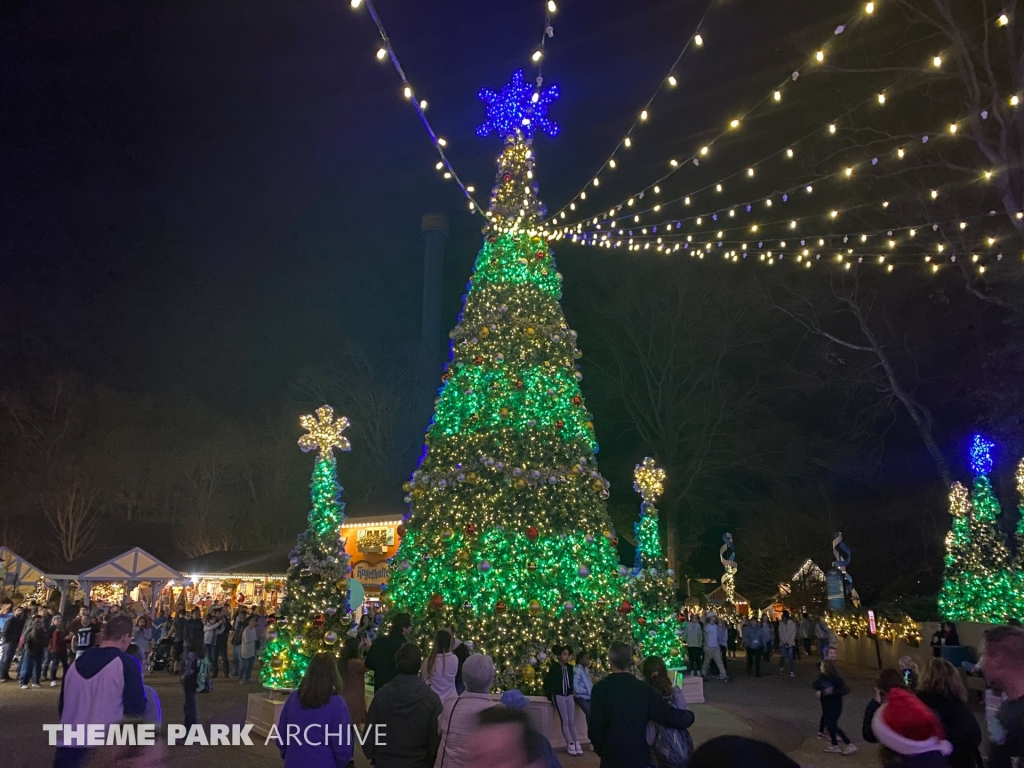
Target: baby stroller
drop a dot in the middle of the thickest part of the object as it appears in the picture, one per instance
(160, 656)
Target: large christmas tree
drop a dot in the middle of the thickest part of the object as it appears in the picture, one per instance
(314, 614)
(656, 628)
(981, 583)
(508, 537)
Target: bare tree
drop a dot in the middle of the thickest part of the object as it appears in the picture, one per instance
(71, 508)
(686, 368)
(378, 400)
(843, 315)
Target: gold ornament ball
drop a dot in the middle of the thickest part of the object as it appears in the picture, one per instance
(341, 585)
(534, 607)
(276, 663)
(447, 534)
(503, 413)
(531, 566)
(484, 332)
(331, 638)
(531, 331)
(406, 486)
(596, 484)
(471, 477)
(520, 484)
(529, 673)
(417, 493)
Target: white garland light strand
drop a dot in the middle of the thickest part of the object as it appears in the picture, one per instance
(387, 51)
(735, 123)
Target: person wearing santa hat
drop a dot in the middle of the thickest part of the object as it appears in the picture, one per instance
(905, 726)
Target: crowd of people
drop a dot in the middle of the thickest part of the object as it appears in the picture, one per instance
(435, 707)
(712, 640)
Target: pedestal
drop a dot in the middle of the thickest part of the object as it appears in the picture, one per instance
(263, 710)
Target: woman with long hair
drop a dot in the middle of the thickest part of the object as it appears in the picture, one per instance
(943, 691)
(318, 702)
(441, 666)
(672, 746)
(194, 674)
(353, 673)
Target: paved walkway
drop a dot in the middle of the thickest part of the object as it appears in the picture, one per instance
(775, 708)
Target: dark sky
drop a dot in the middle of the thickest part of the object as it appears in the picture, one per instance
(207, 196)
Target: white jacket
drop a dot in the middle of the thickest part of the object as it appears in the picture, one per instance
(457, 724)
(694, 634)
(442, 680)
(711, 635)
(787, 632)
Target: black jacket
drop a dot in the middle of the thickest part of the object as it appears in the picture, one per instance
(553, 680)
(381, 659)
(865, 728)
(13, 628)
(409, 709)
(620, 708)
(961, 726)
(927, 760)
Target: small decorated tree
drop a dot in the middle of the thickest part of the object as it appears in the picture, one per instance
(314, 614)
(980, 578)
(656, 628)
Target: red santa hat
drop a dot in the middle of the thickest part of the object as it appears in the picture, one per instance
(906, 726)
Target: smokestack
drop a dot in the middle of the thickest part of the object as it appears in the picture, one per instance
(434, 227)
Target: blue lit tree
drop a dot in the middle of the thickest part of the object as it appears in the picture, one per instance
(981, 582)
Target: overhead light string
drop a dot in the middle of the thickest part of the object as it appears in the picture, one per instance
(387, 51)
(774, 95)
(696, 40)
(848, 170)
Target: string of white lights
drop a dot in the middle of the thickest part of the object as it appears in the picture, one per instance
(848, 171)
(775, 95)
(669, 81)
(386, 51)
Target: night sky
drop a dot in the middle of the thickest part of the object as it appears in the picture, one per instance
(204, 197)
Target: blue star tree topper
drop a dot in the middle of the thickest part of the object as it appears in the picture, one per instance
(518, 107)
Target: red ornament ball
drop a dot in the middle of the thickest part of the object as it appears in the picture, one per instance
(577, 400)
(642, 621)
(500, 607)
(271, 619)
(470, 530)
(401, 531)
(319, 621)
(506, 177)
(559, 424)
(625, 607)
(532, 534)
(436, 602)
(478, 360)
(539, 255)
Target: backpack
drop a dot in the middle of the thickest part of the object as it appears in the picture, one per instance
(672, 747)
(204, 683)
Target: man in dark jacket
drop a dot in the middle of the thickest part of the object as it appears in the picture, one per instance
(620, 708)
(408, 709)
(9, 641)
(1003, 662)
(381, 656)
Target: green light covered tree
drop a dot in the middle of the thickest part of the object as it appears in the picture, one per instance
(981, 582)
(656, 628)
(508, 538)
(314, 615)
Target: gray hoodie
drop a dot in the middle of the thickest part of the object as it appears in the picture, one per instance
(409, 710)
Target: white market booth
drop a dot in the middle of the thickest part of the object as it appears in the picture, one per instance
(17, 575)
(116, 576)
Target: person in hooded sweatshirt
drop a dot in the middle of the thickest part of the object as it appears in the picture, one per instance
(409, 711)
(103, 686)
(942, 690)
(910, 733)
